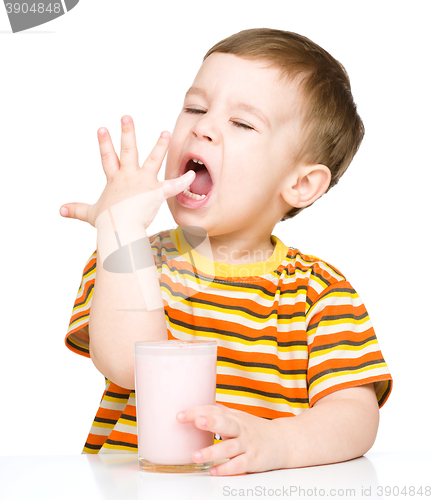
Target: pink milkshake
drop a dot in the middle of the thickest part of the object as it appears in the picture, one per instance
(171, 376)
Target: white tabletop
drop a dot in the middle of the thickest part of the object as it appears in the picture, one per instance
(117, 476)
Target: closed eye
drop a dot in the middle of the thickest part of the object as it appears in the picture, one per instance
(202, 111)
(194, 111)
(242, 125)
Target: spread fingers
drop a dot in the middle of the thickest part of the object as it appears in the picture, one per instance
(128, 145)
(156, 157)
(110, 161)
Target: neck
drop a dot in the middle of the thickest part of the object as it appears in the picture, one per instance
(235, 251)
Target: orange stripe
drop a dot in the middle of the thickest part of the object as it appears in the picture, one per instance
(130, 410)
(268, 387)
(96, 439)
(266, 358)
(124, 437)
(345, 335)
(257, 411)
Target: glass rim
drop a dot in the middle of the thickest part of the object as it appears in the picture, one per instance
(175, 342)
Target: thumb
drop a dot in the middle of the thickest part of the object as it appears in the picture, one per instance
(75, 211)
(173, 187)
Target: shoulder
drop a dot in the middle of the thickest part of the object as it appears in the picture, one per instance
(314, 281)
(314, 272)
(164, 241)
(163, 244)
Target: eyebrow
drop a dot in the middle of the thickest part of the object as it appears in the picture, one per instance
(238, 104)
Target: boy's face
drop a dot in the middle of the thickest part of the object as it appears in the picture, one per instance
(243, 124)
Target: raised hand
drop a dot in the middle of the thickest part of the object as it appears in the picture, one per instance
(135, 191)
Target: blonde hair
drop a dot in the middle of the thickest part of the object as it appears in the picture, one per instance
(333, 130)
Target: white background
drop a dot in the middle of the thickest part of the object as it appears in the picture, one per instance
(63, 80)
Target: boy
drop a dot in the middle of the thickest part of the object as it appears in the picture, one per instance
(268, 126)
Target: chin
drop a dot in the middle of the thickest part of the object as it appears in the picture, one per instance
(182, 217)
(190, 222)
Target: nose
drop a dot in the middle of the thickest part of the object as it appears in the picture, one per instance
(205, 128)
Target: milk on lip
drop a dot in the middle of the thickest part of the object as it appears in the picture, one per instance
(172, 376)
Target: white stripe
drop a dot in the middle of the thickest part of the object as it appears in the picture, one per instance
(100, 431)
(74, 326)
(89, 276)
(216, 290)
(342, 379)
(317, 287)
(246, 401)
(333, 300)
(128, 429)
(233, 316)
(239, 347)
(339, 299)
(323, 265)
(291, 300)
(300, 383)
(110, 405)
(330, 329)
(339, 353)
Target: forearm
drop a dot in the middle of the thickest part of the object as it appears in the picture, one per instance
(126, 308)
(331, 431)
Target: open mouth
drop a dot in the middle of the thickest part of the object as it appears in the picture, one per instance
(201, 186)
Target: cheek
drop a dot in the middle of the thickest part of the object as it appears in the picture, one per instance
(241, 180)
(247, 168)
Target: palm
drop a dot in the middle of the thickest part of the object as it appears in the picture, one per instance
(135, 191)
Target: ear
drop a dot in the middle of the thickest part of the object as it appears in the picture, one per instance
(306, 184)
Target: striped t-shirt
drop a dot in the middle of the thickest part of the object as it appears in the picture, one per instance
(289, 331)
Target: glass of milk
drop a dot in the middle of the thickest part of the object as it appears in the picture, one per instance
(172, 376)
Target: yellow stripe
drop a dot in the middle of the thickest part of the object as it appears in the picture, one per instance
(124, 421)
(342, 321)
(348, 294)
(227, 313)
(383, 386)
(84, 278)
(223, 269)
(103, 424)
(196, 332)
(83, 306)
(212, 287)
(120, 447)
(74, 324)
(115, 400)
(268, 399)
(365, 370)
(317, 278)
(91, 451)
(74, 341)
(259, 369)
(343, 347)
